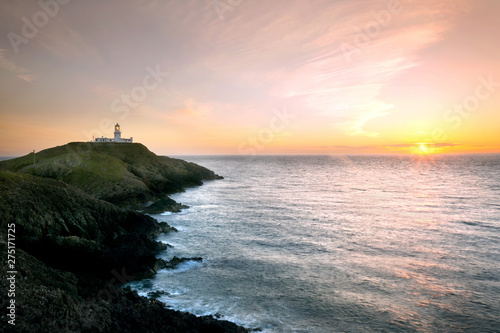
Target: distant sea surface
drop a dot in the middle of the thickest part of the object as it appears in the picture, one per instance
(340, 244)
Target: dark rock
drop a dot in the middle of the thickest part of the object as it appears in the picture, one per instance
(176, 261)
(50, 301)
(166, 228)
(133, 252)
(157, 294)
(164, 205)
(71, 230)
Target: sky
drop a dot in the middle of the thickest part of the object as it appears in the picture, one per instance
(252, 76)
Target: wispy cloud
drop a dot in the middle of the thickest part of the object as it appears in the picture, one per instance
(26, 77)
(194, 109)
(409, 145)
(328, 82)
(298, 54)
(10, 66)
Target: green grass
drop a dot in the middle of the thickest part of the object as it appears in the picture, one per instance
(116, 172)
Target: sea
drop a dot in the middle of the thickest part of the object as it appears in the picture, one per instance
(339, 244)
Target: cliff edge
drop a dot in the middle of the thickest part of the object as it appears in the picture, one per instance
(74, 247)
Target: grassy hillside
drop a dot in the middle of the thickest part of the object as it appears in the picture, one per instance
(120, 173)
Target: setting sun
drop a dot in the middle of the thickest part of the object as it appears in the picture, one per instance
(424, 149)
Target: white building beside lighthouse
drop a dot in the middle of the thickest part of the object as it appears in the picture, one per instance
(117, 138)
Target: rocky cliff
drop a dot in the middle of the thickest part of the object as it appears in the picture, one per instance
(74, 249)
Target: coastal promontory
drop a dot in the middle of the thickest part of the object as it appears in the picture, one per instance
(79, 237)
(123, 174)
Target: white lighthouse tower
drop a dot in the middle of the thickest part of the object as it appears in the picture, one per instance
(118, 133)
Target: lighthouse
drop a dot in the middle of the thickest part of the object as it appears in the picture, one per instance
(117, 138)
(118, 133)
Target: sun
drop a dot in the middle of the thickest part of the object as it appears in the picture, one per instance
(424, 149)
(423, 152)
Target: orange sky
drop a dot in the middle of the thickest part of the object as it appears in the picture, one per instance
(254, 77)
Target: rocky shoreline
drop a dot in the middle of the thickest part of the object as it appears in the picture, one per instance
(74, 251)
